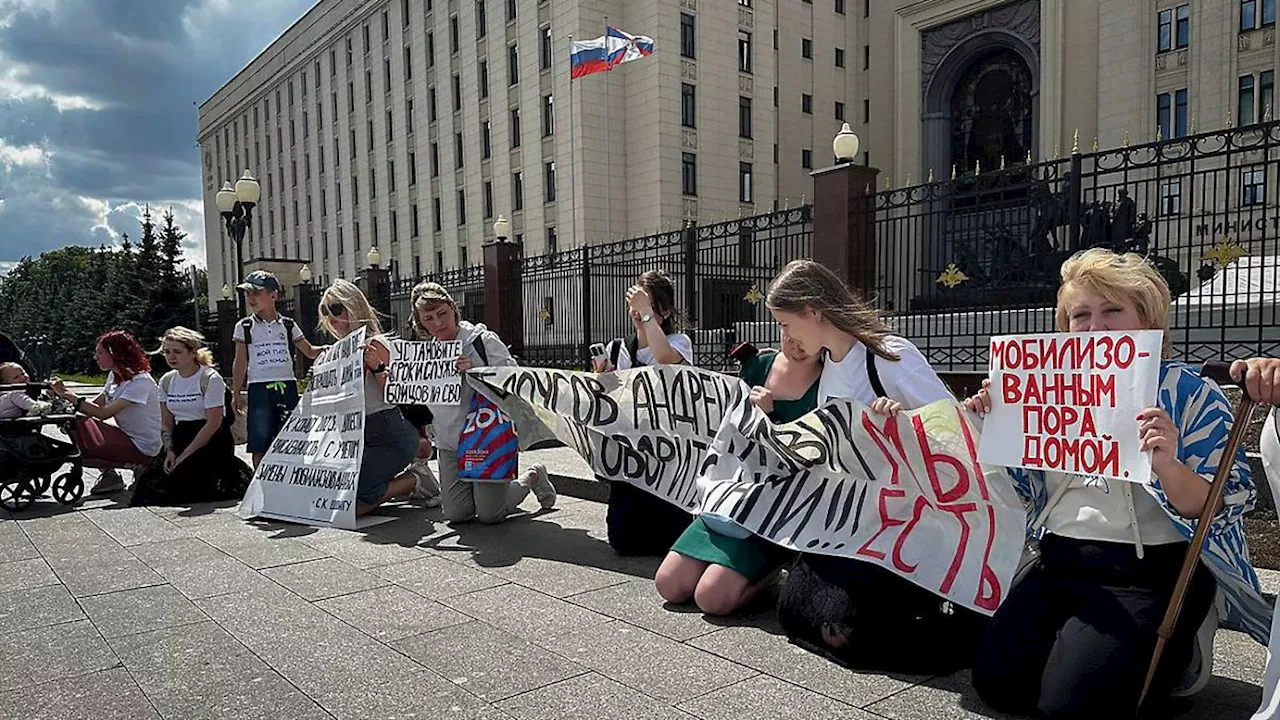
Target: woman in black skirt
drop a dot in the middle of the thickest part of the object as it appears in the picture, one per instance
(199, 462)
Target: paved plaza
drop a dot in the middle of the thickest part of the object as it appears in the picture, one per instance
(114, 612)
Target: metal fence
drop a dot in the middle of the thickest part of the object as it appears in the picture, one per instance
(465, 284)
(575, 298)
(979, 255)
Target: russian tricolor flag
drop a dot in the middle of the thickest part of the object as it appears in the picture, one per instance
(625, 48)
(587, 57)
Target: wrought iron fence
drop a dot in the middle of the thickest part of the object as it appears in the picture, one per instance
(466, 285)
(979, 255)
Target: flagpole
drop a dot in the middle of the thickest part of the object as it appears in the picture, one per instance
(573, 157)
(608, 135)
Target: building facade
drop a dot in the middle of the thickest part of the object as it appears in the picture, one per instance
(411, 125)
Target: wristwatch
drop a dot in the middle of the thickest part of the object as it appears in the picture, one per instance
(646, 318)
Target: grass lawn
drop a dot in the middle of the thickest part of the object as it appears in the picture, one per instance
(86, 379)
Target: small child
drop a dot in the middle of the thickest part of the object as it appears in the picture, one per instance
(17, 403)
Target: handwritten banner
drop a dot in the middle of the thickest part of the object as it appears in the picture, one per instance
(310, 472)
(906, 493)
(1068, 402)
(424, 373)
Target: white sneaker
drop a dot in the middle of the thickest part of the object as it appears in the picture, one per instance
(1200, 670)
(537, 481)
(427, 490)
(108, 483)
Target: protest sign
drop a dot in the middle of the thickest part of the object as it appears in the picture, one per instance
(424, 373)
(1068, 402)
(310, 472)
(906, 493)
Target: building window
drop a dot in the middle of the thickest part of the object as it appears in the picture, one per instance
(1164, 106)
(484, 79)
(1182, 30)
(386, 26)
(744, 52)
(1171, 197)
(515, 128)
(517, 190)
(549, 169)
(368, 86)
(688, 106)
(513, 65)
(1248, 14)
(839, 57)
(806, 104)
(1245, 100)
(840, 7)
(544, 59)
(414, 219)
(408, 62)
(431, 104)
(744, 117)
(688, 46)
(839, 111)
(553, 243)
(408, 115)
(453, 35)
(1266, 95)
(457, 151)
(457, 93)
(386, 75)
(488, 199)
(1253, 186)
(744, 182)
(431, 49)
(480, 19)
(866, 57)
(413, 168)
(437, 221)
(511, 10)
(435, 159)
(689, 174)
(806, 159)
(391, 175)
(486, 142)
(548, 115)
(462, 206)
(806, 48)
(1180, 113)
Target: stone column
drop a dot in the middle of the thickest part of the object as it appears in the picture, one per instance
(843, 232)
(503, 296)
(228, 316)
(375, 283)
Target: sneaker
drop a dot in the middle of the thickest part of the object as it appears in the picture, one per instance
(537, 481)
(427, 491)
(109, 483)
(1200, 669)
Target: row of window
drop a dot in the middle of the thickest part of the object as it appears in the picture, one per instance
(839, 6)
(1174, 24)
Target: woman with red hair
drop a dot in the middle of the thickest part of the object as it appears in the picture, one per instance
(120, 428)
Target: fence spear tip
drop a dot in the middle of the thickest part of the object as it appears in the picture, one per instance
(1075, 142)
(953, 171)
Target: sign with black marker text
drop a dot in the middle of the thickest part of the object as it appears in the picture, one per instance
(424, 373)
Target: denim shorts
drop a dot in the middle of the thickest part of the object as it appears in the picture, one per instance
(269, 405)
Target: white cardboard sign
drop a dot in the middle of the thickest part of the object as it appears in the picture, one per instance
(424, 373)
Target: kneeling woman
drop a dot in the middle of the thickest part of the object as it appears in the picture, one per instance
(390, 442)
(853, 611)
(1075, 637)
(200, 463)
(717, 564)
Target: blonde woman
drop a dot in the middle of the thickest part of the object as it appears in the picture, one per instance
(199, 461)
(1074, 638)
(390, 442)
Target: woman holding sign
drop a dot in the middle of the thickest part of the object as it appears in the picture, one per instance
(856, 612)
(390, 442)
(719, 565)
(639, 522)
(1074, 638)
(436, 314)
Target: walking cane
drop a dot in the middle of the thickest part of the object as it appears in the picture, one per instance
(1219, 372)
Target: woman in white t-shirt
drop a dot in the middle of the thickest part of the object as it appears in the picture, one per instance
(639, 522)
(129, 400)
(199, 462)
(858, 612)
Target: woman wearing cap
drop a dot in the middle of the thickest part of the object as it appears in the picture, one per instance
(641, 523)
(199, 459)
(390, 442)
(436, 314)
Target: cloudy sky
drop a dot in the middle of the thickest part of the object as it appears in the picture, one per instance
(98, 111)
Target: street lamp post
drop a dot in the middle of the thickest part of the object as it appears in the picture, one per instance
(845, 145)
(502, 229)
(236, 205)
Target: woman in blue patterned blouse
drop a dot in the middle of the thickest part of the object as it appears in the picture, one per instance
(1074, 638)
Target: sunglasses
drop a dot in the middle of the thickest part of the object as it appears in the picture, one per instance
(333, 309)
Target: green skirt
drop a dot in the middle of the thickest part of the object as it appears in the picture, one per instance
(753, 557)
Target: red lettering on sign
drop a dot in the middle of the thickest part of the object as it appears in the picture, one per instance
(891, 435)
(922, 502)
(886, 522)
(957, 560)
(987, 579)
(931, 462)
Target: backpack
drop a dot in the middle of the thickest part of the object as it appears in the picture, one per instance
(206, 377)
(247, 325)
(873, 375)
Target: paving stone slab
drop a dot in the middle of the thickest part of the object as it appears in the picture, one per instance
(638, 602)
(947, 698)
(129, 612)
(134, 525)
(655, 665)
(555, 577)
(325, 578)
(105, 695)
(262, 553)
(525, 613)
(196, 569)
(14, 544)
(589, 697)
(486, 661)
(51, 653)
(364, 550)
(771, 654)
(769, 697)
(199, 671)
(436, 578)
(37, 607)
(391, 613)
(21, 575)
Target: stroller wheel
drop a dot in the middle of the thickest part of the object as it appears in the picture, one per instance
(68, 488)
(17, 495)
(42, 484)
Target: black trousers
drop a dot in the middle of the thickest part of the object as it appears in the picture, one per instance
(641, 523)
(1074, 639)
(868, 618)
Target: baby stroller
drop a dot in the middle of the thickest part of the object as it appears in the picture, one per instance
(29, 459)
